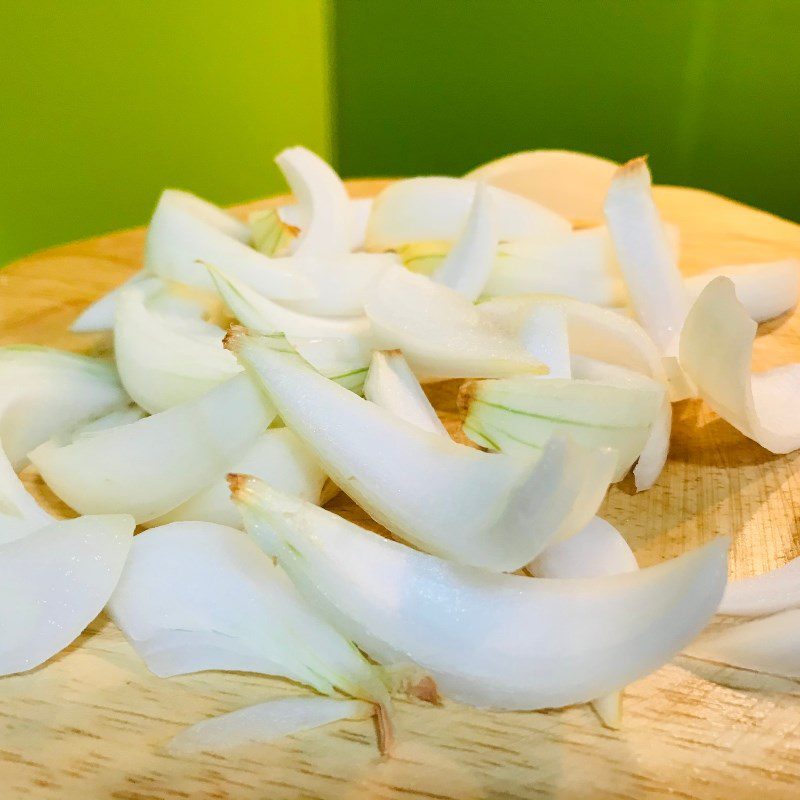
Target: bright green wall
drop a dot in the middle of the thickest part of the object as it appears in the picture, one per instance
(105, 102)
(709, 88)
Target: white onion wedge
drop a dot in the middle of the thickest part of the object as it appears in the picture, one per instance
(266, 722)
(520, 414)
(162, 360)
(436, 209)
(54, 582)
(771, 644)
(715, 351)
(392, 385)
(179, 236)
(20, 514)
(764, 594)
(545, 335)
(277, 457)
(467, 266)
(150, 466)
(99, 316)
(493, 510)
(531, 643)
(569, 183)
(657, 291)
(324, 200)
(441, 334)
(196, 596)
(44, 392)
(360, 210)
(766, 290)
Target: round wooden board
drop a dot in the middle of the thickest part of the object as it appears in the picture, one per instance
(92, 722)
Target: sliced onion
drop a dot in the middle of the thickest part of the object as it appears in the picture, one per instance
(771, 644)
(715, 351)
(196, 596)
(440, 332)
(149, 467)
(569, 183)
(657, 291)
(44, 392)
(766, 290)
(271, 235)
(266, 722)
(277, 457)
(545, 335)
(467, 266)
(392, 385)
(20, 514)
(492, 510)
(360, 210)
(436, 209)
(99, 316)
(54, 582)
(530, 643)
(162, 360)
(768, 593)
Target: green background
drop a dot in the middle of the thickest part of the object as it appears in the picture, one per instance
(105, 102)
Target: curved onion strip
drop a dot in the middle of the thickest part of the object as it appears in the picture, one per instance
(647, 260)
(436, 209)
(521, 414)
(585, 638)
(715, 351)
(392, 385)
(44, 392)
(596, 551)
(441, 334)
(271, 235)
(178, 237)
(266, 722)
(360, 210)
(277, 457)
(493, 510)
(99, 316)
(768, 593)
(150, 466)
(766, 290)
(467, 266)
(20, 514)
(54, 582)
(545, 335)
(569, 183)
(324, 200)
(196, 596)
(771, 644)
(164, 362)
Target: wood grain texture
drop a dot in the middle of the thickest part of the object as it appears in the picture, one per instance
(92, 722)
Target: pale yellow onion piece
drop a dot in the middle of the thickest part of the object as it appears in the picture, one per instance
(467, 266)
(266, 722)
(392, 385)
(572, 184)
(324, 201)
(488, 509)
(648, 263)
(54, 582)
(770, 644)
(596, 551)
(20, 514)
(441, 334)
(277, 457)
(179, 236)
(530, 643)
(44, 392)
(150, 466)
(271, 235)
(99, 316)
(360, 210)
(763, 594)
(766, 290)
(162, 360)
(436, 209)
(716, 350)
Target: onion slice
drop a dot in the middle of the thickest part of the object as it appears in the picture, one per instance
(20, 514)
(436, 209)
(585, 638)
(764, 594)
(99, 316)
(271, 235)
(150, 466)
(54, 582)
(266, 722)
(360, 209)
(716, 350)
(486, 509)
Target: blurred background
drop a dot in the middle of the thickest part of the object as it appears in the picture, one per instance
(105, 102)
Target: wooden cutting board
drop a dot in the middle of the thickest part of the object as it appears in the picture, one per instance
(92, 722)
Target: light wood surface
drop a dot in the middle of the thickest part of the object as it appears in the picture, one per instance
(92, 722)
